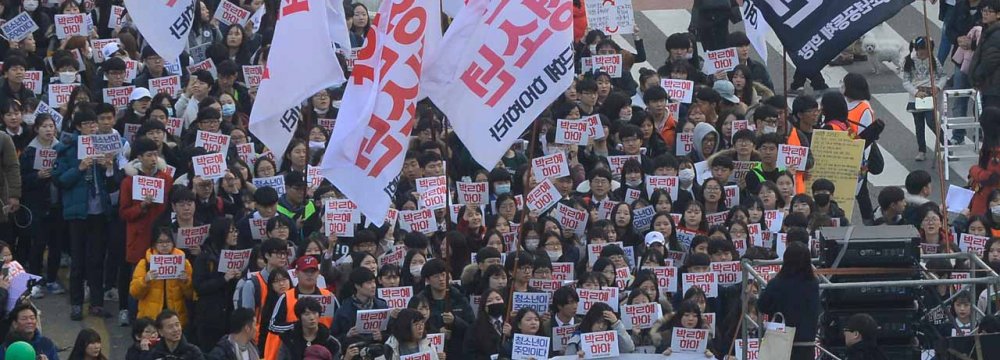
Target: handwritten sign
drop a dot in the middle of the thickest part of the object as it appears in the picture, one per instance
(681, 90)
(571, 132)
(543, 196)
(33, 81)
(530, 347)
(371, 321)
(190, 237)
(727, 272)
(666, 278)
(836, 157)
(418, 220)
(644, 315)
(212, 142)
(275, 182)
(792, 157)
(706, 281)
(19, 27)
(396, 297)
(170, 85)
(234, 260)
(253, 74)
(229, 14)
(71, 25)
(167, 266)
(689, 340)
(590, 297)
(45, 159)
(596, 345)
(551, 166)
(118, 96)
(98, 145)
(684, 144)
(209, 166)
(147, 186)
(537, 301)
(720, 60)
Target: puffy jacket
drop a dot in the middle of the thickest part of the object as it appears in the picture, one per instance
(75, 183)
(151, 295)
(215, 294)
(985, 62)
(138, 222)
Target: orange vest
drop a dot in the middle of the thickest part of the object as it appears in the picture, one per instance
(260, 305)
(800, 176)
(855, 115)
(669, 131)
(273, 344)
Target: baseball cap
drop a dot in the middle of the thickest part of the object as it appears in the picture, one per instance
(307, 262)
(654, 237)
(110, 49)
(726, 89)
(317, 352)
(139, 93)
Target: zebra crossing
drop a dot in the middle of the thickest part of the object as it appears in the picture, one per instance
(889, 97)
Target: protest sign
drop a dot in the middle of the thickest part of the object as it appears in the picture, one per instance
(666, 278)
(727, 272)
(147, 186)
(418, 220)
(589, 297)
(550, 166)
(98, 145)
(836, 157)
(425, 355)
(972, 243)
(752, 348)
(571, 132)
(684, 144)
(732, 195)
(537, 301)
(207, 65)
(562, 271)
(756, 234)
(189, 237)
(396, 256)
(611, 16)
(958, 198)
(716, 219)
(246, 152)
(644, 315)
(19, 281)
(98, 44)
(631, 195)
(313, 176)
(436, 341)
(19, 27)
(570, 218)
(594, 250)
(610, 64)
(71, 25)
(253, 74)
(473, 192)
(642, 217)
(340, 225)
(371, 321)
(396, 297)
(117, 18)
(170, 85)
(543, 196)
(234, 260)
(327, 124)
(432, 192)
(668, 183)
(33, 81)
(212, 142)
(689, 340)
(229, 14)
(773, 219)
(792, 157)
(720, 60)
(210, 166)
(595, 130)
(530, 347)
(44, 108)
(258, 225)
(679, 90)
(602, 344)
(684, 236)
(327, 302)
(560, 337)
(117, 96)
(545, 285)
(618, 161)
(708, 282)
(45, 159)
(276, 182)
(167, 266)
(175, 125)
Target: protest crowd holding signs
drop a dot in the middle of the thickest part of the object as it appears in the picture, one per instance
(298, 179)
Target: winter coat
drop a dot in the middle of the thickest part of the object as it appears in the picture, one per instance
(425, 346)
(76, 184)
(37, 194)
(625, 344)
(293, 345)
(226, 350)
(797, 299)
(10, 182)
(700, 132)
(864, 351)
(139, 222)
(152, 294)
(184, 350)
(346, 316)
(215, 294)
(41, 344)
(981, 184)
(985, 61)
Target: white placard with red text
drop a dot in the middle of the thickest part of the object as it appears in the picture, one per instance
(644, 315)
(189, 237)
(371, 321)
(596, 345)
(679, 90)
(234, 260)
(209, 166)
(167, 266)
(727, 272)
(685, 340)
(570, 218)
(253, 74)
(618, 161)
(572, 132)
(792, 157)
(229, 14)
(143, 186)
(707, 281)
(473, 192)
(543, 196)
(669, 183)
(33, 81)
(396, 297)
(595, 130)
(972, 243)
(418, 220)
(117, 96)
(550, 166)
(71, 25)
(720, 60)
(684, 144)
(589, 297)
(666, 278)
(170, 85)
(44, 159)
(212, 142)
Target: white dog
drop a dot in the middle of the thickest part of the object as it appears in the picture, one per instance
(882, 45)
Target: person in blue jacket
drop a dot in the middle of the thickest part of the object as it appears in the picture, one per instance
(358, 294)
(24, 327)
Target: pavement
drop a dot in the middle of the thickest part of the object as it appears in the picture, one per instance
(657, 20)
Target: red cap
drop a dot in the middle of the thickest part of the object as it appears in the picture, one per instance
(306, 262)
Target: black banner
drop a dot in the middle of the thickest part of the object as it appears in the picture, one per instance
(815, 31)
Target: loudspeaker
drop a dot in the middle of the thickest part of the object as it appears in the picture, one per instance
(870, 246)
(897, 352)
(897, 326)
(871, 296)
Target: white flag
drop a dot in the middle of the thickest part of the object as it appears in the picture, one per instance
(756, 28)
(164, 23)
(373, 128)
(304, 63)
(491, 85)
(337, 21)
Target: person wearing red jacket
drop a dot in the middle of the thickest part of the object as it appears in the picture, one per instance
(984, 177)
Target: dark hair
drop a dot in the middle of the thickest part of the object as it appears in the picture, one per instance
(804, 103)
(164, 315)
(139, 326)
(593, 316)
(925, 44)
(307, 304)
(655, 93)
(84, 338)
(916, 180)
(798, 262)
(561, 297)
(890, 195)
(834, 106)
(218, 232)
(856, 87)
(516, 322)
(240, 318)
(402, 327)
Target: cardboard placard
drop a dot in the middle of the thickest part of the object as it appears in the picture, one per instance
(642, 218)
(45, 159)
(595, 130)
(708, 282)
(167, 266)
(679, 90)
(209, 166)
(212, 142)
(590, 297)
(685, 340)
(258, 227)
(327, 302)
(396, 256)
(560, 337)
(99, 44)
(191, 236)
(611, 64)
(972, 243)
(596, 345)
(234, 260)
(170, 85)
(118, 96)
(684, 144)
(143, 186)
(668, 183)
(229, 14)
(720, 60)
(418, 220)
(98, 145)
(175, 125)
(543, 196)
(370, 321)
(618, 161)
(71, 25)
(570, 218)
(792, 157)
(432, 192)
(437, 342)
(666, 278)
(727, 272)
(345, 206)
(252, 75)
(396, 297)
(562, 271)
(33, 81)
(530, 347)
(117, 18)
(571, 132)
(550, 166)
(206, 64)
(473, 192)
(338, 225)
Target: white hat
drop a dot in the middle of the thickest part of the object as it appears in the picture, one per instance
(654, 237)
(110, 49)
(726, 89)
(139, 93)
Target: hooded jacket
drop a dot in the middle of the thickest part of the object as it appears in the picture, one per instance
(76, 184)
(184, 350)
(152, 294)
(138, 221)
(702, 130)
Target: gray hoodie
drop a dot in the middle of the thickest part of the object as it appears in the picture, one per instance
(700, 132)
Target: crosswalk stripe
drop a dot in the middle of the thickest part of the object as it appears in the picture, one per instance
(669, 21)
(932, 13)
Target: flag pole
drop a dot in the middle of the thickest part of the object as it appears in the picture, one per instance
(939, 158)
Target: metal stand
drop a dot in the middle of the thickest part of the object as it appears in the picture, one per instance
(977, 265)
(951, 122)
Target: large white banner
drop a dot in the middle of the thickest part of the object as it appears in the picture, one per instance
(378, 111)
(165, 24)
(498, 67)
(303, 66)
(756, 28)
(337, 22)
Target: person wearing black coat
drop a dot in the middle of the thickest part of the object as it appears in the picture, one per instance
(860, 335)
(172, 343)
(215, 289)
(484, 335)
(238, 342)
(794, 293)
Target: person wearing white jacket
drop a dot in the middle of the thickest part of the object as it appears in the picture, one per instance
(600, 318)
(917, 81)
(409, 337)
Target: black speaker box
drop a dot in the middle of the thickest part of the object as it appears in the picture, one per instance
(870, 246)
(896, 326)
(871, 296)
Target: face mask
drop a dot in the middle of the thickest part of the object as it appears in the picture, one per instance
(415, 270)
(68, 77)
(592, 48)
(502, 189)
(554, 255)
(995, 210)
(30, 5)
(822, 199)
(28, 119)
(495, 310)
(170, 111)
(633, 183)
(316, 144)
(770, 129)
(686, 175)
(531, 244)
(626, 117)
(228, 109)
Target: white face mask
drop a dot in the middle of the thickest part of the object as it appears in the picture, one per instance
(633, 183)
(316, 145)
(995, 210)
(593, 49)
(531, 244)
(30, 5)
(686, 175)
(770, 129)
(554, 255)
(67, 77)
(29, 119)
(415, 270)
